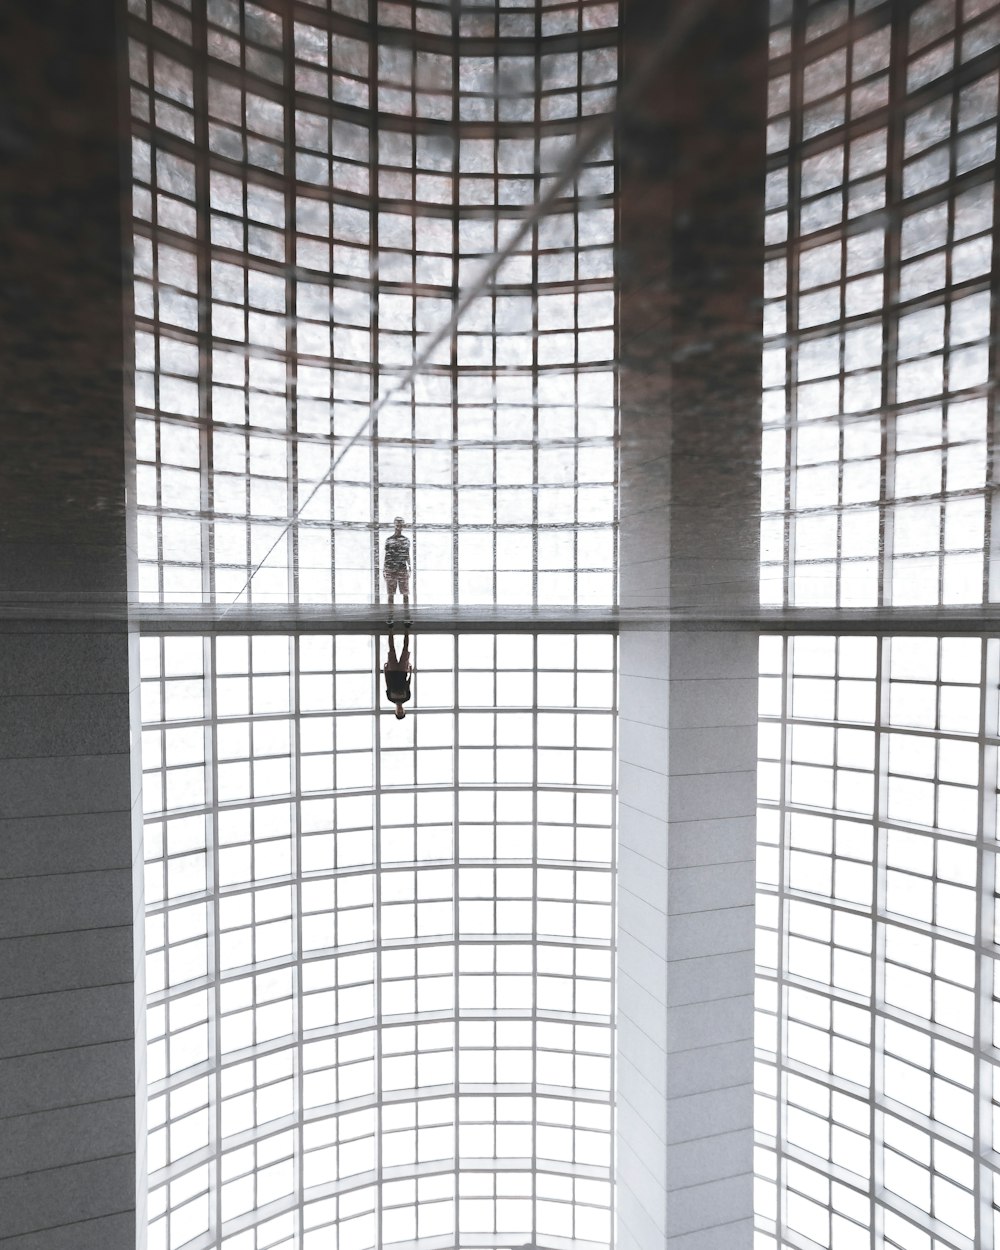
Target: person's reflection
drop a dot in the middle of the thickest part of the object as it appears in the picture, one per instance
(397, 671)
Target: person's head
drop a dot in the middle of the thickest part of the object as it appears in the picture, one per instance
(398, 522)
(399, 711)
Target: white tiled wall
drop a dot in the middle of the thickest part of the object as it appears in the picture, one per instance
(685, 961)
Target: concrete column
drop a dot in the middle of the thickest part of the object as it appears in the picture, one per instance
(68, 796)
(691, 267)
(687, 738)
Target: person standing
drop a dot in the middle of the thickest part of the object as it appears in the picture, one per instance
(396, 565)
(397, 671)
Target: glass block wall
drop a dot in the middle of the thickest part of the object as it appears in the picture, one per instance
(876, 1046)
(877, 953)
(878, 316)
(378, 951)
(314, 187)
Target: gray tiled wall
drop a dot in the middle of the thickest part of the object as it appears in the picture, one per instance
(67, 1041)
(67, 1007)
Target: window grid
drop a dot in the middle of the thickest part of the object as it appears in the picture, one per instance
(878, 304)
(380, 998)
(877, 955)
(325, 250)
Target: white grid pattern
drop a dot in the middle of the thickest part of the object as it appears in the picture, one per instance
(878, 318)
(312, 192)
(379, 952)
(877, 954)
(877, 829)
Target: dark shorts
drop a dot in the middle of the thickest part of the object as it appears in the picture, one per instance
(402, 664)
(394, 581)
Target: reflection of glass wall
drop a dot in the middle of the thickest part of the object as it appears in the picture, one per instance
(877, 955)
(882, 142)
(311, 193)
(378, 951)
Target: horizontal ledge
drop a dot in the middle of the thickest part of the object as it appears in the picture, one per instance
(23, 613)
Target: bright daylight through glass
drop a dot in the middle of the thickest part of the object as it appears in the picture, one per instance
(876, 1035)
(500, 625)
(378, 951)
(291, 259)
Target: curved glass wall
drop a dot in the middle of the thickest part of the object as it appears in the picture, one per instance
(879, 307)
(352, 1004)
(877, 956)
(378, 951)
(877, 952)
(315, 188)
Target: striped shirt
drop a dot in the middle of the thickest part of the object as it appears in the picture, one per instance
(397, 554)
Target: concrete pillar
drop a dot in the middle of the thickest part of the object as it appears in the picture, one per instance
(687, 735)
(691, 269)
(68, 796)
